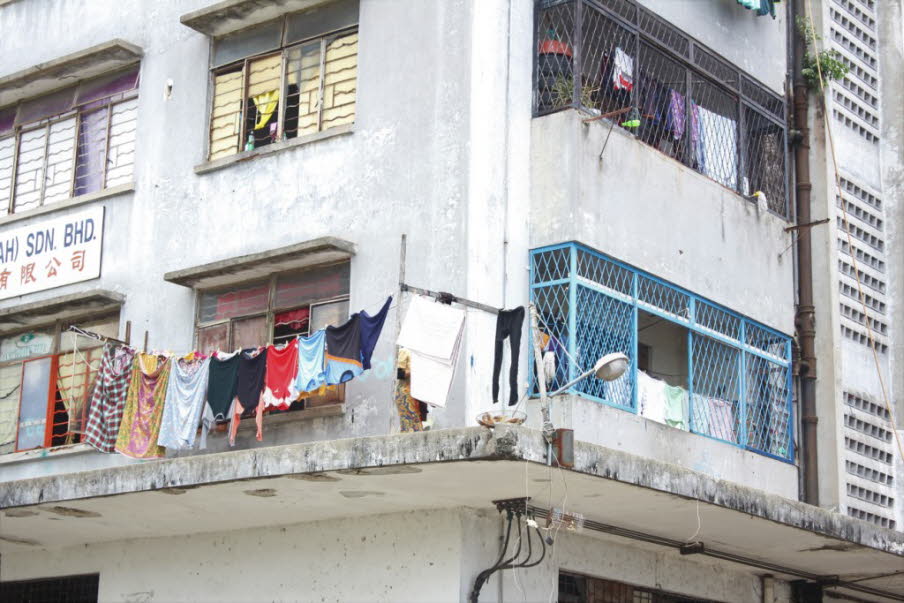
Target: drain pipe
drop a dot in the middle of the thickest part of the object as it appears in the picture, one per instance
(805, 318)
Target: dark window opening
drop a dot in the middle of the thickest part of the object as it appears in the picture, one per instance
(70, 589)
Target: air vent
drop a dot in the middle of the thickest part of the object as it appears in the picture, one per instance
(884, 522)
(866, 405)
(870, 452)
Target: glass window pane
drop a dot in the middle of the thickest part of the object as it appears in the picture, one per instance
(25, 345)
(105, 327)
(263, 99)
(340, 75)
(7, 119)
(10, 380)
(7, 150)
(92, 142)
(226, 115)
(291, 323)
(214, 338)
(49, 105)
(33, 402)
(250, 42)
(321, 20)
(312, 285)
(60, 155)
(30, 169)
(249, 332)
(302, 89)
(323, 315)
(121, 148)
(237, 302)
(105, 87)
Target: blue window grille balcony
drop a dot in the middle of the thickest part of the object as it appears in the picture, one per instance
(738, 386)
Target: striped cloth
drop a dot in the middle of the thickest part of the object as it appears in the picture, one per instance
(109, 397)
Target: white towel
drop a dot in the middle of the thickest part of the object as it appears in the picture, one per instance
(432, 334)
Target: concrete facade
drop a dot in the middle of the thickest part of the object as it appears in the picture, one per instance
(444, 149)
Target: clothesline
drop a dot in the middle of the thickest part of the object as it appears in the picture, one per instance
(442, 296)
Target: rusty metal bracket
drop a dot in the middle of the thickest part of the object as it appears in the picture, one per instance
(807, 225)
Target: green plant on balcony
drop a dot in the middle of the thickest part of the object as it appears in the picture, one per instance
(826, 63)
(562, 92)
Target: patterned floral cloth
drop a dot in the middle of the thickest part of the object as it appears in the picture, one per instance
(144, 408)
(409, 413)
(109, 397)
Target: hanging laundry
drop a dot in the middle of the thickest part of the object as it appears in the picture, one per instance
(343, 351)
(185, 401)
(311, 374)
(109, 397)
(282, 369)
(761, 7)
(370, 328)
(508, 326)
(144, 408)
(221, 384)
(407, 407)
(714, 417)
(265, 103)
(249, 390)
(651, 397)
(432, 334)
(676, 409)
(623, 71)
(717, 148)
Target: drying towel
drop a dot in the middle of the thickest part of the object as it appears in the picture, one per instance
(676, 413)
(144, 408)
(343, 351)
(311, 373)
(282, 369)
(370, 328)
(185, 397)
(432, 334)
(651, 397)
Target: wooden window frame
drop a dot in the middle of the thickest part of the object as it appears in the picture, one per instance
(18, 131)
(283, 52)
(56, 330)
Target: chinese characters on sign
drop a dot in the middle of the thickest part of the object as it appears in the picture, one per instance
(52, 253)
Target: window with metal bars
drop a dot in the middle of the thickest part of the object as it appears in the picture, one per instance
(619, 60)
(708, 370)
(72, 142)
(46, 380)
(286, 79)
(575, 588)
(73, 589)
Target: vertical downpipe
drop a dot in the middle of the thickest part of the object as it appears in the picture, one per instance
(805, 318)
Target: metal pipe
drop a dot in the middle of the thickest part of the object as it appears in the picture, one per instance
(805, 318)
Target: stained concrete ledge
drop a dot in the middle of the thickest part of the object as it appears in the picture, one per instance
(465, 444)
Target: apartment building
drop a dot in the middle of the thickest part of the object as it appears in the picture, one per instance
(194, 175)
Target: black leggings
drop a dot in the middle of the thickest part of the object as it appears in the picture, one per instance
(508, 324)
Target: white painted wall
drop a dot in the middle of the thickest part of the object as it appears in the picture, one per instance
(417, 556)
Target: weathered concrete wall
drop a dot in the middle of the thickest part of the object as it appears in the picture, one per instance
(634, 434)
(430, 555)
(648, 210)
(732, 32)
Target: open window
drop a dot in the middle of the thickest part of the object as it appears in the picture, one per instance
(46, 380)
(284, 79)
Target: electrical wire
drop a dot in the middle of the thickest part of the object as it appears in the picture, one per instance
(847, 231)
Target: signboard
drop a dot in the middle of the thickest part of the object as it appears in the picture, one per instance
(25, 346)
(51, 254)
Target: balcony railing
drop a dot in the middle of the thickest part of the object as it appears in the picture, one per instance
(694, 365)
(674, 94)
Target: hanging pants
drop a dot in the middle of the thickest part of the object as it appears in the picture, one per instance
(508, 325)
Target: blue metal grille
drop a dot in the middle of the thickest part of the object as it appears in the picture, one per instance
(737, 387)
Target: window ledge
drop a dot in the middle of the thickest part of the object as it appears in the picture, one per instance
(68, 203)
(217, 164)
(38, 453)
(328, 410)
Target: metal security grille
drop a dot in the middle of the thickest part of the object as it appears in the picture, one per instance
(617, 59)
(738, 379)
(71, 589)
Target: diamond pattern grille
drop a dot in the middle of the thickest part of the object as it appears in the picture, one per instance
(739, 385)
